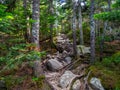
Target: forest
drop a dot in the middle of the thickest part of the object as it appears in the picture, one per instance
(59, 45)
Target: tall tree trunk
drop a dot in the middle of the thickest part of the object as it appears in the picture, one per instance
(62, 26)
(80, 22)
(74, 27)
(38, 70)
(103, 32)
(102, 41)
(92, 32)
(51, 24)
(109, 5)
(27, 32)
(35, 25)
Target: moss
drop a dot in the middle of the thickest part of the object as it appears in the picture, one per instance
(12, 81)
(108, 71)
(109, 78)
(41, 83)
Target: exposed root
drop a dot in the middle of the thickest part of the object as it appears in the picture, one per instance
(73, 80)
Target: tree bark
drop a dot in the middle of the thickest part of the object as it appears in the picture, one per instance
(92, 32)
(80, 22)
(74, 27)
(109, 5)
(51, 10)
(35, 24)
(27, 28)
(103, 33)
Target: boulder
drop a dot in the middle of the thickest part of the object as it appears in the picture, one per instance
(2, 85)
(68, 60)
(65, 80)
(96, 84)
(54, 65)
(82, 49)
(38, 70)
(76, 85)
(86, 50)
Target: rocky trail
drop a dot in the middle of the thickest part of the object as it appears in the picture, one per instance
(63, 72)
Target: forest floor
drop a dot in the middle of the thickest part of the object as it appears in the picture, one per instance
(22, 78)
(75, 65)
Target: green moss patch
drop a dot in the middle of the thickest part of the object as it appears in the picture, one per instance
(108, 72)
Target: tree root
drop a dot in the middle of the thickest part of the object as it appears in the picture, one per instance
(73, 80)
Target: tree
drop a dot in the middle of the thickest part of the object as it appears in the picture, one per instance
(104, 30)
(74, 27)
(109, 5)
(80, 22)
(35, 24)
(92, 31)
(26, 15)
(51, 10)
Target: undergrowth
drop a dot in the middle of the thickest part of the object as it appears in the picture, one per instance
(18, 54)
(108, 72)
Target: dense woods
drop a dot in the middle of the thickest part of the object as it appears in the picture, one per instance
(59, 45)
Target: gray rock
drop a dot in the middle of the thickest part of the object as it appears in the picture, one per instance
(54, 65)
(65, 80)
(38, 71)
(96, 84)
(76, 85)
(2, 85)
(86, 50)
(68, 60)
(82, 49)
(65, 53)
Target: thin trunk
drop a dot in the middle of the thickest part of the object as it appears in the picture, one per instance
(28, 29)
(103, 33)
(109, 5)
(27, 32)
(74, 28)
(51, 10)
(92, 32)
(96, 28)
(102, 41)
(62, 26)
(80, 22)
(35, 25)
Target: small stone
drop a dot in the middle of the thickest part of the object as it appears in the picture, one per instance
(2, 85)
(76, 85)
(96, 84)
(68, 60)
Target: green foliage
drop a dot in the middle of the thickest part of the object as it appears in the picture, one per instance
(108, 72)
(5, 19)
(114, 60)
(110, 16)
(117, 4)
(113, 15)
(39, 81)
(12, 81)
(18, 54)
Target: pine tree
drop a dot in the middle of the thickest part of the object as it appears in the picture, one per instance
(92, 32)
(35, 24)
